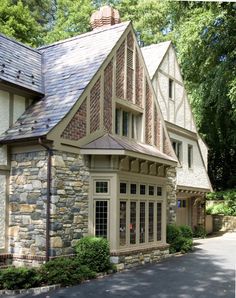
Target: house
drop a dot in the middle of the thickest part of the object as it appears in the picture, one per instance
(192, 178)
(84, 148)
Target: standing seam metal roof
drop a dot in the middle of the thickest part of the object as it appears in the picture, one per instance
(68, 67)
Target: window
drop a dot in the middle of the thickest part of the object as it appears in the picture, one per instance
(142, 189)
(128, 124)
(171, 88)
(101, 216)
(159, 214)
(190, 156)
(125, 124)
(181, 203)
(177, 146)
(151, 190)
(142, 223)
(159, 190)
(123, 187)
(101, 187)
(133, 223)
(151, 222)
(133, 189)
(122, 223)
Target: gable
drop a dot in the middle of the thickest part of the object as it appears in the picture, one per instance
(177, 109)
(122, 82)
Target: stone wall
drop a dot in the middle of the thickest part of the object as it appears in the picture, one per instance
(171, 195)
(139, 257)
(27, 203)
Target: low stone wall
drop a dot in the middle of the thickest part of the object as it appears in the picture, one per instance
(224, 223)
(129, 259)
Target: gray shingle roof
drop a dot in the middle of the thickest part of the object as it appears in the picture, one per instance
(114, 142)
(20, 65)
(68, 67)
(153, 55)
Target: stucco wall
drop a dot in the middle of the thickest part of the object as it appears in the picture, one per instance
(195, 176)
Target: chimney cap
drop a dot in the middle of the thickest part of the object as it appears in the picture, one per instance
(104, 17)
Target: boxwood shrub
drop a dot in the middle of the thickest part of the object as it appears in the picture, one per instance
(94, 252)
(180, 238)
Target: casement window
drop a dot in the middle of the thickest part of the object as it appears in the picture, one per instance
(128, 124)
(151, 190)
(123, 213)
(159, 220)
(190, 156)
(101, 187)
(133, 188)
(171, 87)
(177, 146)
(142, 189)
(159, 191)
(132, 222)
(142, 222)
(123, 187)
(101, 218)
(151, 221)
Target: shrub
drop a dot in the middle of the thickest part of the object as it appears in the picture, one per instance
(19, 278)
(199, 232)
(186, 231)
(94, 252)
(65, 271)
(179, 238)
(228, 207)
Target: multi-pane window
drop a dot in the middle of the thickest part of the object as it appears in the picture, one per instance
(151, 222)
(151, 190)
(128, 124)
(101, 218)
(159, 214)
(133, 188)
(123, 187)
(190, 156)
(142, 189)
(159, 191)
(181, 203)
(101, 187)
(177, 146)
(122, 223)
(133, 223)
(142, 223)
(171, 84)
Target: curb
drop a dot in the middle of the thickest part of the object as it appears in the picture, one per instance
(38, 290)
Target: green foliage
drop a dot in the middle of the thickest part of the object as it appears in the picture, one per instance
(94, 252)
(19, 278)
(199, 232)
(186, 231)
(65, 271)
(179, 238)
(228, 207)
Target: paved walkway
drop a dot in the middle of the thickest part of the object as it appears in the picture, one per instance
(207, 272)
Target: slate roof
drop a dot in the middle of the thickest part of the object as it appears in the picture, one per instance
(20, 65)
(68, 67)
(114, 142)
(153, 55)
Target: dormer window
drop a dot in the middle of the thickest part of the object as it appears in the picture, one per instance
(171, 85)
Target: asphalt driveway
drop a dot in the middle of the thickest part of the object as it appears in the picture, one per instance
(207, 272)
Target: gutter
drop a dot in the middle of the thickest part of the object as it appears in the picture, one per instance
(49, 170)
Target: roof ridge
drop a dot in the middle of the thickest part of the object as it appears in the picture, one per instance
(19, 43)
(156, 44)
(83, 35)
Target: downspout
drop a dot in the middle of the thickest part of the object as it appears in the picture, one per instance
(49, 170)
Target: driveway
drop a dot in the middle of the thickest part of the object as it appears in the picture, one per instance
(207, 272)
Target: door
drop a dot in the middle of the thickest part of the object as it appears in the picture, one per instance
(182, 212)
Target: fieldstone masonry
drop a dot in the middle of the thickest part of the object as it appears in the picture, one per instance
(27, 203)
(171, 195)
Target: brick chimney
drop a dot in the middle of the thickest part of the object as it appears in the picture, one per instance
(106, 16)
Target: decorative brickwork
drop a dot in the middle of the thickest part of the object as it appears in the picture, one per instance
(157, 128)
(95, 106)
(130, 41)
(139, 82)
(120, 71)
(166, 145)
(108, 79)
(148, 114)
(130, 78)
(76, 129)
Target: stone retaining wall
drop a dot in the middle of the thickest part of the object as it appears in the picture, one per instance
(224, 223)
(131, 259)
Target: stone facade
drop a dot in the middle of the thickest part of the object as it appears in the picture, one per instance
(140, 257)
(171, 195)
(27, 203)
